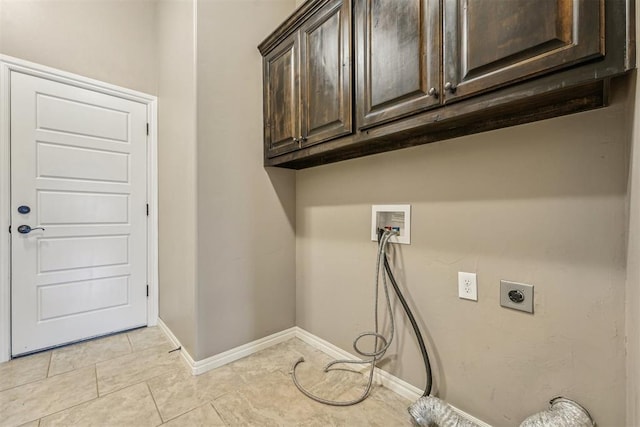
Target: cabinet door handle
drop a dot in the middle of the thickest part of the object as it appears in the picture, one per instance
(433, 92)
(296, 140)
(302, 139)
(450, 87)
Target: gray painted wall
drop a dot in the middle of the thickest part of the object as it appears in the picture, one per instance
(112, 41)
(177, 154)
(632, 297)
(228, 263)
(543, 203)
(246, 213)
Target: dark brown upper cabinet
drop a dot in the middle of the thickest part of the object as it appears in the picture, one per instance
(488, 44)
(430, 70)
(325, 78)
(281, 98)
(398, 51)
(307, 81)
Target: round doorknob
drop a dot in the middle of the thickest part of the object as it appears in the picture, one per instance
(433, 92)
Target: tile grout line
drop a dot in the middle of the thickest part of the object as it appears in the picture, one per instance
(49, 365)
(89, 364)
(130, 343)
(157, 347)
(44, 378)
(98, 396)
(95, 373)
(210, 403)
(139, 382)
(217, 412)
(162, 420)
(27, 383)
(132, 353)
(89, 401)
(69, 407)
(127, 355)
(195, 407)
(184, 413)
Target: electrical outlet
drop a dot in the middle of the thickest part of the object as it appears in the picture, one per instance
(467, 286)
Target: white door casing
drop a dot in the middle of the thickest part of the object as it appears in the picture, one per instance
(82, 160)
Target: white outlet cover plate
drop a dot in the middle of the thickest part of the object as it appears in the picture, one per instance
(405, 231)
(467, 286)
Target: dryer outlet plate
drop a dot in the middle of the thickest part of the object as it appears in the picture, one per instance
(517, 296)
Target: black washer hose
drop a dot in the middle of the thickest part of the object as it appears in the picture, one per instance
(414, 324)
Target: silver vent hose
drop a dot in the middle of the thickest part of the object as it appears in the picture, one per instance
(562, 412)
(429, 410)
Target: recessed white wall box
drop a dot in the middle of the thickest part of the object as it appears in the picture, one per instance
(467, 286)
(394, 217)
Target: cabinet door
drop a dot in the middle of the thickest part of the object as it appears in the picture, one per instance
(325, 77)
(281, 99)
(398, 51)
(489, 43)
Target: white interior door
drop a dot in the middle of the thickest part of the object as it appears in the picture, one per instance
(78, 164)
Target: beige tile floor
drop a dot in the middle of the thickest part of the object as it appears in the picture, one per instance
(131, 379)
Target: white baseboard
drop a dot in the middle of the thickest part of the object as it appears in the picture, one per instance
(384, 378)
(201, 366)
(204, 365)
(186, 357)
(391, 382)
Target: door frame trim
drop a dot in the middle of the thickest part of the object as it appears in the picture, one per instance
(9, 64)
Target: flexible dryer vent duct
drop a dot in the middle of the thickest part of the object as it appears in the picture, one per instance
(430, 410)
(562, 412)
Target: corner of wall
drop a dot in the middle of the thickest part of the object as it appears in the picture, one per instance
(177, 163)
(245, 212)
(632, 289)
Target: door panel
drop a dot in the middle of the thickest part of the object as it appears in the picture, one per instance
(55, 254)
(82, 296)
(66, 162)
(282, 102)
(56, 208)
(491, 43)
(78, 160)
(325, 77)
(75, 117)
(398, 58)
